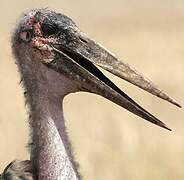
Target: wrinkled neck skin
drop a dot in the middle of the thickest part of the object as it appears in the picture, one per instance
(50, 149)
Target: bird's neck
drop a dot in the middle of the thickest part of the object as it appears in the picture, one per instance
(50, 148)
(51, 152)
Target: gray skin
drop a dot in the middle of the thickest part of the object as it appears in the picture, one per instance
(55, 59)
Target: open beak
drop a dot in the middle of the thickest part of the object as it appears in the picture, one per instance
(77, 59)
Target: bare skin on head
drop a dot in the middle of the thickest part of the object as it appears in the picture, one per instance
(55, 59)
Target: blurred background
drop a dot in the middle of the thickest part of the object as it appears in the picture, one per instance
(109, 142)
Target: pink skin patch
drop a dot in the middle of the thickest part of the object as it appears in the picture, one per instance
(40, 43)
(46, 54)
(37, 29)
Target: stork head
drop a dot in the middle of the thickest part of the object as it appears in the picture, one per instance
(56, 42)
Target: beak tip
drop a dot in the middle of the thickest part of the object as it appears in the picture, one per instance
(169, 99)
(176, 104)
(168, 128)
(165, 126)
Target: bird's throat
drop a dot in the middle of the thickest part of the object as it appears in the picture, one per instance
(51, 151)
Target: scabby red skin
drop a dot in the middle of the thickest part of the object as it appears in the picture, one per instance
(43, 50)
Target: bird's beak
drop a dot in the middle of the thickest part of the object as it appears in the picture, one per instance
(77, 59)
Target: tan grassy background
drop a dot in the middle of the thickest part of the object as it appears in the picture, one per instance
(109, 142)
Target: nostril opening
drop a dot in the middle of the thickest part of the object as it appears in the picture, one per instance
(83, 40)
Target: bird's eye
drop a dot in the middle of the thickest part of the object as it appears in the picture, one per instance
(49, 29)
(26, 36)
